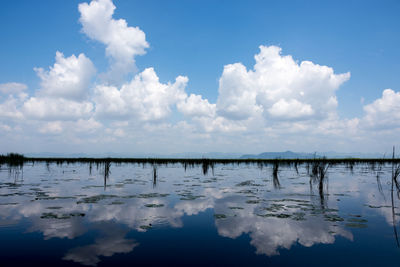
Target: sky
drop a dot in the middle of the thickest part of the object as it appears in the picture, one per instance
(199, 76)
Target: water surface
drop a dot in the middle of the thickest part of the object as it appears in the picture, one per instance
(233, 215)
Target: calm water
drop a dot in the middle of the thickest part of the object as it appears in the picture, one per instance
(234, 216)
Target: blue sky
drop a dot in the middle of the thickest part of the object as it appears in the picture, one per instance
(196, 39)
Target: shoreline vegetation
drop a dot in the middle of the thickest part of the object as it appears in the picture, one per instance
(15, 159)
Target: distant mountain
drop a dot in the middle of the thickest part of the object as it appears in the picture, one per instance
(208, 155)
(295, 155)
(280, 155)
(213, 155)
(190, 155)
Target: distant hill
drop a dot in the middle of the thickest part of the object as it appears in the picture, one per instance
(280, 155)
(214, 155)
(187, 155)
(294, 155)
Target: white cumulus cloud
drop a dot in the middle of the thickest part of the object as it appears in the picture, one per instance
(278, 87)
(196, 106)
(144, 98)
(44, 108)
(290, 109)
(122, 42)
(68, 78)
(10, 107)
(384, 112)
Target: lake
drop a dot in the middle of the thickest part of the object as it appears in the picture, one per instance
(170, 214)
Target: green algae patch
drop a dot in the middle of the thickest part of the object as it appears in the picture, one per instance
(236, 208)
(152, 195)
(333, 218)
(117, 203)
(95, 199)
(247, 192)
(378, 207)
(51, 215)
(356, 225)
(190, 197)
(290, 200)
(245, 183)
(145, 227)
(299, 216)
(54, 208)
(275, 207)
(52, 198)
(154, 205)
(276, 215)
(219, 216)
(357, 220)
(253, 201)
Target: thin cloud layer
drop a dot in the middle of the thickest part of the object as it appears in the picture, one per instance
(12, 88)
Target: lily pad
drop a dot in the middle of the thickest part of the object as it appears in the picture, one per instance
(154, 205)
(356, 225)
(219, 216)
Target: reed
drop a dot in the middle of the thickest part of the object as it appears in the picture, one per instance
(14, 159)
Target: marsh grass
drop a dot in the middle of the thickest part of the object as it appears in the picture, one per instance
(318, 175)
(395, 175)
(154, 176)
(275, 178)
(13, 159)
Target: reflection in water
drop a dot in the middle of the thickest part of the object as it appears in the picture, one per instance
(154, 176)
(113, 242)
(275, 179)
(318, 176)
(63, 202)
(107, 165)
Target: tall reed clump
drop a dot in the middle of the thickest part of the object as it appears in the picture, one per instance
(395, 175)
(319, 168)
(206, 164)
(154, 176)
(275, 179)
(395, 170)
(12, 159)
(107, 165)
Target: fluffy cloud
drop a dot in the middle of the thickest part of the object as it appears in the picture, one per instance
(290, 109)
(76, 127)
(278, 87)
(45, 108)
(63, 93)
(196, 106)
(122, 42)
(384, 112)
(10, 108)
(12, 88)
(69, 77)
(142, 99)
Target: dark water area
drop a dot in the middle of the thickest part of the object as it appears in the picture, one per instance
(127, 214)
